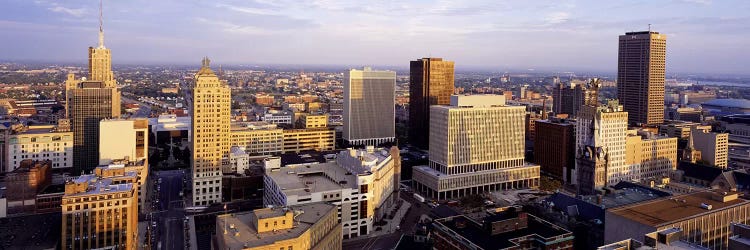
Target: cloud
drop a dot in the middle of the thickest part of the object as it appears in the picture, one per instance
(248, 10)
(703, 2)
(557, 18)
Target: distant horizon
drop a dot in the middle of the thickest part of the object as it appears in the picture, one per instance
(704, 36)
(334, 67)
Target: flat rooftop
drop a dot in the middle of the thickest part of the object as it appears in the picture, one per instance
(304, 180)
(98, 185)
(667, 210)
(473, 231)
(245, 235)
(427, 170)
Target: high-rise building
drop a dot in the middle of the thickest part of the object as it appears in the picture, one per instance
(568, 98)
(554, 148)
(210, 136)
(99, 213)
(600, 146)
(430, 83)
(369, 107)
(308, 226)
(123, 139)
(90, 100)
(640, 76)
(476, 145)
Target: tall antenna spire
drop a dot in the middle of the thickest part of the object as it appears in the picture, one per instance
(101, 30)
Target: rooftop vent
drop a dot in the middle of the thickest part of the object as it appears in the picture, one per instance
(706, 206)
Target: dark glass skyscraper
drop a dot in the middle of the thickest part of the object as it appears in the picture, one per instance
(430, 83)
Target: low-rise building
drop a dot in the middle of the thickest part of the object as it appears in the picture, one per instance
(308, 226)
(239, 161)
(361, 183)
(24, 183)
(714, 147)
(45, 142)
(508, 229)
(704, 217)
(651, 155)
(263, 138)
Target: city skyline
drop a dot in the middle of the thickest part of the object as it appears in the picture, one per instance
(492, 35)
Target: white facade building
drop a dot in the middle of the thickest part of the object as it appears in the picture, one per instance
(361, 183)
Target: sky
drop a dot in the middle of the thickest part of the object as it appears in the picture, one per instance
(704, 36)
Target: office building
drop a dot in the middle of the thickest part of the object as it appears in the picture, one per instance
(554, 148)
(123, 139)
(640, 76)
(127, 171)
(568, 98)
(99, 213)
(313, 121)
(263, 138)
(362, 183)
(430, 83)
(40, 142)
(649, 156)
(210, 134)
(714, 147)
(684, 114)
(600, 146)
(704, 217)
(476, 146)
(90, 100)
(681, 129)
(308, 226)
(318, 139)
(369, 107)
(509, 228)
(170, 128)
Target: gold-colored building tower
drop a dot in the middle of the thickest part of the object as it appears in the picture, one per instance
(88, 101)
(210, 135)
(640, 76)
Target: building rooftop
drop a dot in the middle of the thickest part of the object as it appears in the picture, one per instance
(729, 103)
(318, 172)
(96, 185)
(475, 233)
(242, 234)
(437, 174)
(668, 210)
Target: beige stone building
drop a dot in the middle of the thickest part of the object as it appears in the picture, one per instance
(210, 134)
(100, 212)
(681, 129)
(640, 76)
(313, 121)
(46, 142)
(122, 167)
(649, 155)
(714, 147)
(308, 226)
(476, 146)
(123, 139)
(705, 218)
(600, 147)
(263, 138)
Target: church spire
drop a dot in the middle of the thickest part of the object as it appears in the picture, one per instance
(101, 30)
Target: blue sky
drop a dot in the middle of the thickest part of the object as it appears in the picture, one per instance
(704, 36)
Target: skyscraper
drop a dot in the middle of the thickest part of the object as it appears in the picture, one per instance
(476, 146)
(568, 98)
(600, 146)
(210, 135)
(369, 107)
(430, 83)
(640, 76)
(88, 102)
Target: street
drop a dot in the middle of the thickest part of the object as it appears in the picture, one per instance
(170, 232)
